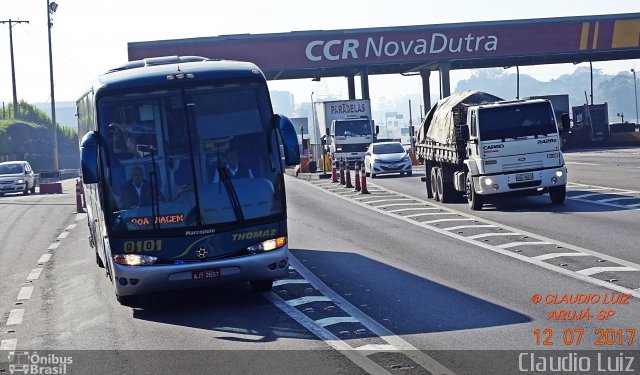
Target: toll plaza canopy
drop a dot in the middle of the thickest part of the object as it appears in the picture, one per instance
(407, 49)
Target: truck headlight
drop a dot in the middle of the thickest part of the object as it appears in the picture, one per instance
(20, 181)
(488, 181)
(553, 155)
(268, 245)
(135, 259)
(559, 173)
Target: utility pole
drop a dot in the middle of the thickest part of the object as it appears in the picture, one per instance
(51, 8)
(13, 69)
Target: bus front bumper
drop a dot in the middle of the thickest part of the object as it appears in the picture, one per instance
(131, 280)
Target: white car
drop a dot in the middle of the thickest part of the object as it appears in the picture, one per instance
(386, 157)
(17, 176)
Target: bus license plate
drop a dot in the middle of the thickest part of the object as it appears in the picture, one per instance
(524, 176)
(205, 274)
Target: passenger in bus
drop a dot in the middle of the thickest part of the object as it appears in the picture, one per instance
(137, 191)
(234, 168)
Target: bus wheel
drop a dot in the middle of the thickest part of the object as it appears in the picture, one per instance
(127, 300)
(261, 285)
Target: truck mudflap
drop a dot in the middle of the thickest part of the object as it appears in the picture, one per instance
(520, 181)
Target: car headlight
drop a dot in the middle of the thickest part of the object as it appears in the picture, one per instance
(406, 158)
(20, 181)
(135, 259)
(268, 245)
(338, 148)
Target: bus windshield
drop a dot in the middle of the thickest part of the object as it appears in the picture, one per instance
(512, 121)
(197, 157)
(352, 128)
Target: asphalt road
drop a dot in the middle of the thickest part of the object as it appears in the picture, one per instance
(385, 283)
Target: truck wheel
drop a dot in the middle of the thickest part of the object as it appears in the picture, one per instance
(557, 194)
(445, 189)
(434, 183)
(474, 200)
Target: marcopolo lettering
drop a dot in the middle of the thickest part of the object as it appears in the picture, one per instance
(337, 49)
(492, 147)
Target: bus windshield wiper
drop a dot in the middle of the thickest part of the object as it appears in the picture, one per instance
(231, 191)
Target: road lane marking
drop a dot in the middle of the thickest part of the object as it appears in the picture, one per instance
(376, 348)
(44, 258)
(595, 270)
(63, 235)
(615, 199)
(307, 299)
(559, 255)
(521, 243)
(581, 163)
(8, 344)
(446, 220)
(633, 205)
(488, 223)
(329, 338)
(25, 293)
(482, 235)
(15, 317)
(70, 227)
(585, 196)
(397, 204)
(34, 274)
(53, 246)
(373, 326)
(388, 200)
(289, 281)
(596, 187)
(430, 214)
(413, 209)
(335, 320)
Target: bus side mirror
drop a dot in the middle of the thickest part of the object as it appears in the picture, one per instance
(566, 122)
(89, 158)
(464, 132)
(289, 140)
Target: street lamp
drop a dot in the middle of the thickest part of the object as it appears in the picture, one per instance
(51, 8)
(635, 90)
(517, 80)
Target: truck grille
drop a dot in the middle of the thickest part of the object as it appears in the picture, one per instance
(522, 166)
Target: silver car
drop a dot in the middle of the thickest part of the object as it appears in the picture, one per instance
(387, 157)
(16, 177)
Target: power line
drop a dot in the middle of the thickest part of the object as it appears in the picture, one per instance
(13, 69)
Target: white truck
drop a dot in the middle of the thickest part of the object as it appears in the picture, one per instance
(347, 127)
(478, 145)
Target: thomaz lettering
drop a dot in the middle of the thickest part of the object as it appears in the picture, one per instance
(351, 49)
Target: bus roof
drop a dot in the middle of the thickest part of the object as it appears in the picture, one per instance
(156, 72)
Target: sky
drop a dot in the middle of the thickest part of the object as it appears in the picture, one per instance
(89, 37)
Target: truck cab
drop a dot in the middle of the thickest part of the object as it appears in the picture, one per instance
(512, 147)
(350, 138)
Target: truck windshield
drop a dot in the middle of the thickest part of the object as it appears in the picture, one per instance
(352, 128)
(189, 158)
(518, 120)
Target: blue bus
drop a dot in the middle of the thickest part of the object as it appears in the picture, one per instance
(183, 168)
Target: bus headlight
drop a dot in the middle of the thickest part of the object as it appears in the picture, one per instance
(20, 181)
(559, 173)
(268, 245)
(135, 259)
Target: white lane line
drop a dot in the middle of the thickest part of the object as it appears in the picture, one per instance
(520, 243)
(398, 342)
(335, 320)
(15, 317)
(470, 226)
(307, 299)
(413, 209)
(580, 163)
(366, 196)
(53, 246)
(633, 205)
(63, 235)
(389, 200)
(482, 235)
(329, 338)
(25, 293)
(71, 226)
(44, 258)
(559, 255)
(8, 345)
(430, 214)
(397, 204)
(34, 274)
(615, 199)
(511, 254)
(594, 270)
(290, 281)
(376, 348)
(446, 220)
(584, 195)
(595, 187)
